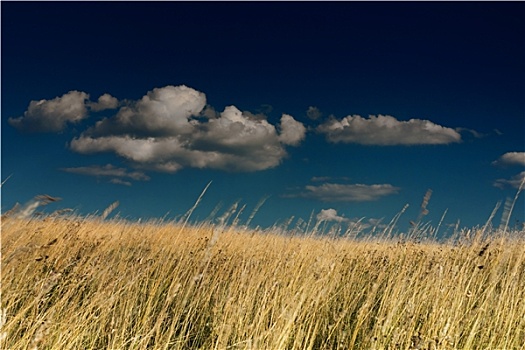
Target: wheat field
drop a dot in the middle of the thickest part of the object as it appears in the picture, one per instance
(71, 282)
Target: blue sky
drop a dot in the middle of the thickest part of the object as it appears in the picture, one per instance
(338, 110)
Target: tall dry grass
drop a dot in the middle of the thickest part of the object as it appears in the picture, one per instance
(84, 283)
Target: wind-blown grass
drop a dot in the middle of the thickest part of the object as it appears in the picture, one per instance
(84, 283)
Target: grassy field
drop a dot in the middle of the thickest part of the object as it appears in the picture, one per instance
(87, 283)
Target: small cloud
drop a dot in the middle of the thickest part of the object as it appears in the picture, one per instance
(105, 101)
(313, 113)
(474, 133)
(52, 115)
(514, 182)
(120, 182)
(292, 131)
(386, 130)
(358, 225)
(330, 215)
(511, 158)
(109, 171)
(377, 223)
(332, 192)
(320, 178)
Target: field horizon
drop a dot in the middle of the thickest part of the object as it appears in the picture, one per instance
(73, 282)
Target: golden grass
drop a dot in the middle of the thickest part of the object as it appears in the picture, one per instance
(84, 283)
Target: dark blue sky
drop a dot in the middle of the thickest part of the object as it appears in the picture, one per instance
(363, 70)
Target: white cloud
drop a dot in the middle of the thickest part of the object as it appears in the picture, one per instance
(162, 111)
(52, 115)
(474, 133)
(511, 158)
(354, 225)
(171, 155)
(118, 181)
(332, 192)
(358, 225)
(514, 182)
(330, 215)
(172, 128)
(292, 131)
(105, 101)
(116, 174)
(386, 130)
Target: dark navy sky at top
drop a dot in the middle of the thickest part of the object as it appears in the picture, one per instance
(290, 54)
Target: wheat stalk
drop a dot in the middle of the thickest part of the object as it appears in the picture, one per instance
(513, 203)
(109, 209)
(188, 214)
